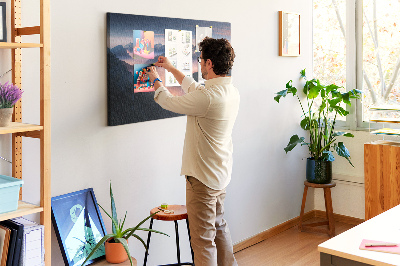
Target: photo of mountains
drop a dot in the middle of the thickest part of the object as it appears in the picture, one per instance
(125, 106)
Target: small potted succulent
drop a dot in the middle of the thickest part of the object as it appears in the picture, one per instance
(116, 243)
(9, 95)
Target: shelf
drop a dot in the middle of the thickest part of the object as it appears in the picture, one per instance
(16, 127)
(387, 131)
(24, 208)
(9, 45)
(386, 120)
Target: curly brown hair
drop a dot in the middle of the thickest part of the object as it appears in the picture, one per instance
(220, 52)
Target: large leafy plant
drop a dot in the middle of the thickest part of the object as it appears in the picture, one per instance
(320, 120)
(120, 235)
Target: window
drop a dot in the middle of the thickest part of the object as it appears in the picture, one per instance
(364, 54)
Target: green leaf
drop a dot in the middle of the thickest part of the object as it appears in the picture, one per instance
(346, 98)
(327, 156)
(343, 151)
(341, 111)
(349, 135)
(338, 133)
(114, 222)
(303, 73)
(113, 211)
(333, 102)
(137, 226)
(294, 140)
(280, 94)
(313, 92)
(122, 224)
(152, 230)
(331, 87)
(140, 239)
(305, 123)
(126, 247)
(101, 242)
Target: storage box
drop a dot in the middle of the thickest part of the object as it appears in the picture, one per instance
(9, 193)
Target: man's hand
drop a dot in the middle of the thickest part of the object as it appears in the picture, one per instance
(152, 72)
(165, 63)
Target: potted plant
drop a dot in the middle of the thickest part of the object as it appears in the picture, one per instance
(324, 105)
(9, 95)
(116, 243)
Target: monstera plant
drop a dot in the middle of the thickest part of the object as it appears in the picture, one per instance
(324, 103)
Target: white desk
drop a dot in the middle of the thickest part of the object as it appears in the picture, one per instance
(344, 248)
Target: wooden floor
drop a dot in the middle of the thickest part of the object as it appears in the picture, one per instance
(290, 247)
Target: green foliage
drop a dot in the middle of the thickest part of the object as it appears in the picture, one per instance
(321, 123)
(119, 234)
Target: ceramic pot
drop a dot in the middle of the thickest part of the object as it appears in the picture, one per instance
(318, 172)
(5, 116)
(115, 252)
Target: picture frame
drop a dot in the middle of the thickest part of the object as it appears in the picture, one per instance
(289, 34)
(3, 25)
(78, 226)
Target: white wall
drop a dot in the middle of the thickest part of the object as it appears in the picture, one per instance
(143, 160)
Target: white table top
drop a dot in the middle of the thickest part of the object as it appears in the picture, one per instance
(384, 227)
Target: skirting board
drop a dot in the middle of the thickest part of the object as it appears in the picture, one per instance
(289, 224)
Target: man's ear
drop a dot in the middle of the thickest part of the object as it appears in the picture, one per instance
(209, 63)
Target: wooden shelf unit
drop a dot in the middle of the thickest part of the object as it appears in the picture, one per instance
(24, 208)
(9, 45)
(42, 131)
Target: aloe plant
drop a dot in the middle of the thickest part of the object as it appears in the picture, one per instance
(320, 124)
(119, 234)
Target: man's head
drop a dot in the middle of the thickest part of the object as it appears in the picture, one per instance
(218, 54)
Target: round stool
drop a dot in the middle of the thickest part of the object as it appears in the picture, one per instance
(328, 207)
(179, 213)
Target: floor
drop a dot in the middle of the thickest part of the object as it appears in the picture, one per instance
(290, 247)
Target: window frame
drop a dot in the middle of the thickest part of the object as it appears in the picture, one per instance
(354, 70)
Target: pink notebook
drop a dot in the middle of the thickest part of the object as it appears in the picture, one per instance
(393, 249)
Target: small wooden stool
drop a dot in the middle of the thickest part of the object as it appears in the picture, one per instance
(180, 213)
(328, 207)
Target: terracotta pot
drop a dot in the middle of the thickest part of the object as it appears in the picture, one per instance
(5, 116)
(115, 252)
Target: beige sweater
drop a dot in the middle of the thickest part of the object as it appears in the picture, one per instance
(211, 113)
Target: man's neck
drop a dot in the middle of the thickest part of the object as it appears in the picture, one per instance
(211, 75)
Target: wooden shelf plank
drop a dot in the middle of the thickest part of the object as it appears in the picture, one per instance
(10, 45)
(16, 127)
(24, 208)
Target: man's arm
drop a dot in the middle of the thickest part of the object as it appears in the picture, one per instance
(165, 63)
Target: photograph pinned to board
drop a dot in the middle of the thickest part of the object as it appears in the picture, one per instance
(144, 44)
(178, 49)
(201, 33)
(3, 27)
(142, 80)
(78, 226)
(289, 34)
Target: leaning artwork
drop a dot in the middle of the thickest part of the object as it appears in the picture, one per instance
(135, 42)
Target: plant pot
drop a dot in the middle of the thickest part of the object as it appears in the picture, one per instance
(319, 172)
(5, 116)
(115, 252)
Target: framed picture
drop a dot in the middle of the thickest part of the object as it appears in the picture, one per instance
(3, 28)
(289, 34)
(78, 226)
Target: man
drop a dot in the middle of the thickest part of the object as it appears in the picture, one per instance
(207, 155)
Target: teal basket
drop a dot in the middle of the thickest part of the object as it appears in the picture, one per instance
(9, 193)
